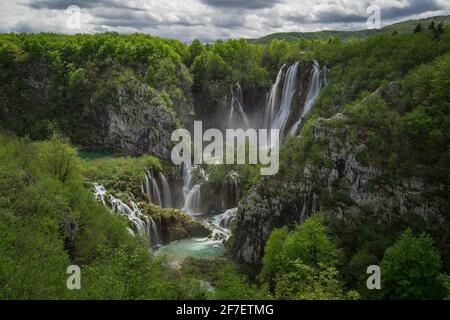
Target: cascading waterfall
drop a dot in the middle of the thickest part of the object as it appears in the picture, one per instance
(314, 90)
(192, 204)
(141, 224)
(278, 110)
(289, 89)
(272, 100)
(221, 224)
(238, 118)
(192, 195)
(187, 180)
(224, 220)
(152, 231)
(151, 189)
(156, 195)
(146, 187)
(167, 196)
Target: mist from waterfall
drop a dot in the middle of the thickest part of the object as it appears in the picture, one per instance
(238, 117)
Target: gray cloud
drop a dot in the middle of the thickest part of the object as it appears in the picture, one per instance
(414, 7)
(88, 4)
(139, 20)
(241, 4)
(330, 15)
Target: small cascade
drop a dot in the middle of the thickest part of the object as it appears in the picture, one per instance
(167, 196)
(156, 195)
(224, 220)
(100, 192)
(152, 231)
(238, 118)
(145, 186)
(221, 224)
(314, 90)
(151, 189)
(192, 204)
(187, 180)
(192, 195)
(140, 224)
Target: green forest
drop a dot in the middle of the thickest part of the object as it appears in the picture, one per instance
(387, 91)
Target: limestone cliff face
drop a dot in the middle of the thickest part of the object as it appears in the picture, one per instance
(137, 120)
(344, 191)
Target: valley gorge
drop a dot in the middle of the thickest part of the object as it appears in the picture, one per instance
(86, 124)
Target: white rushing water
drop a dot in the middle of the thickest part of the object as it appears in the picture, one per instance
(272, 100)
(313, 92)
(238, 117)
(192, 195)
(156, 194)
(187, 179)
(167, 195)
(289, 89)
(223, 220)
(193, 202)
(279, 101)
(140, 224)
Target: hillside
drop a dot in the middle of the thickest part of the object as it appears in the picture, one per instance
(401, 27)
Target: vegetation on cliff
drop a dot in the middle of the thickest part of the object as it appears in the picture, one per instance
(372, 158)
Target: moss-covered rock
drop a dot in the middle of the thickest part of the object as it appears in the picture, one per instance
(174, 224)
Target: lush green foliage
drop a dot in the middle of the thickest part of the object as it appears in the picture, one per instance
(65, 81)
(301, 264)
(121, 168)
(50, 220)
(411, 269)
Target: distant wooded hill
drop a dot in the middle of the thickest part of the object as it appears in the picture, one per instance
(401, 27)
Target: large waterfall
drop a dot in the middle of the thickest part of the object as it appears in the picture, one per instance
(272, 100)
(279, 107)
(238, 117)
(142, 225)
(284, 110)
(314, 90)
(167, 195)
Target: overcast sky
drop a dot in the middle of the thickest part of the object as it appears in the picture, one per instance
(208, 19)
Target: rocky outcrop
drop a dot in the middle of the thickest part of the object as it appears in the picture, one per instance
(340, 187)
(138, 121)
(175, 225)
